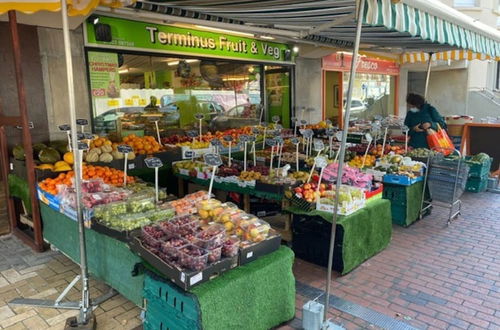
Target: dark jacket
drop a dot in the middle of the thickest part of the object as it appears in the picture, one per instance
(427, 114)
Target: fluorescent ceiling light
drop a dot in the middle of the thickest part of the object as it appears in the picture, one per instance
(295, 49)
(223, 30)
(267, 37)
(234, 79)
(122, 71)
(177, 62)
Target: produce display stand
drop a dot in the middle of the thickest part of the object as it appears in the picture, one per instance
(358, 237)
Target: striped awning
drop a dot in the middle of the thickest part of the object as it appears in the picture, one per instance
(390, 26)
(75, 7)
(453, 55)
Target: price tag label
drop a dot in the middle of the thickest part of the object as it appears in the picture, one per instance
(244, 138)
(80, 136)
(192, 133)
(338, 135)
(279, 140)
(328, 122)
(303, 122)
(321, 161)
(88, 136)
(153, 162)
(264, 124)
(276, 119)
(82, 146)
(228, 138)
(215, 142)
(330, 132)
(131, 166)
(30, 126)
(368, 137)
(212, 159)
(188, 154)
(318, 145)
(82, 122)
(308, 133)
(405, 129)
(295, 140)
(64, 127)
(124, 148)
(271, 142)
(255, 130)
(199, 116)
(252, 138)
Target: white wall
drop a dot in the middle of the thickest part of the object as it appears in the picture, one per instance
(448, 91)
(308, 87)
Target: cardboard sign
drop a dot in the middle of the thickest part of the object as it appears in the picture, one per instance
(82, 122)
(192, 134)
(212, 159)
(153, 162)
(64, 127)
(124, 148)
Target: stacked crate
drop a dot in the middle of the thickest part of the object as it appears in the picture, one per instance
(478, 176)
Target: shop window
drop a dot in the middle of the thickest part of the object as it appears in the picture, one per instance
(130, 92)
(465, 3)
(497, 78)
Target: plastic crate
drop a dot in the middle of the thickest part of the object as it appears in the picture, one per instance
(477, 184)
(396, 194)
(479, 170)
(401, 179)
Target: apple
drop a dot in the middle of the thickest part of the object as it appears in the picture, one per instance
(298, 190)
(307, 186)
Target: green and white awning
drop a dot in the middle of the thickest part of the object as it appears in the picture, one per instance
(396, 26)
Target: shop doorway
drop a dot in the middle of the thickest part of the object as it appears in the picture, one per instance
(333, 96)
(278, 96)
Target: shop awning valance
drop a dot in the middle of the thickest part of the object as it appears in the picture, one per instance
(391, 26)
(75, 7)
(453, 55)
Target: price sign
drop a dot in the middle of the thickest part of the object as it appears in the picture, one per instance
(295, 140)
(153, 162)
(30, 126)
(368, 137)
(328, 122)
(318, 145)
(279, 140)
(124, 148)
(278, 127)
(264, 124)
(276, 119)
(244, 138)
(188, 154)
(308, 133)
(199, 116)
(82, 122)
(338, 135)
(271, 142)
(212, 159)
(192, 134)
(228, 138)
(64, 127)
(293, 119)
(303, 122)
(321, 161)
(330, 132)
(215, 142)
(252, 138)
(82, 146)
(405, 129)
(80, 136)
(255, 130)
(88, 136)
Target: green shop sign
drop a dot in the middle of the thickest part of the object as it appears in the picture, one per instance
(149, 37)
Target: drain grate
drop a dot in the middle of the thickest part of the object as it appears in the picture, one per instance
(367, 314)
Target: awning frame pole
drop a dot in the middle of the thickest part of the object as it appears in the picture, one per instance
(359, 25)
(428, 75)
(83, 317)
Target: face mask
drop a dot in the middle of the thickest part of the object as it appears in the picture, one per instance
(414, 110)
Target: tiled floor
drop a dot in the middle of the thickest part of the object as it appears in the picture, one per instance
(430, 277)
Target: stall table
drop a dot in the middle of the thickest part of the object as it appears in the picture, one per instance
(358, 237)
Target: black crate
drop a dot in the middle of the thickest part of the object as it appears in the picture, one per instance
(121, 235)
(260, 249)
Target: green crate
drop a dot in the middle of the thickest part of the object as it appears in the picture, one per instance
(158, 317)
(477, 184)
(396, 194)
(479, 170)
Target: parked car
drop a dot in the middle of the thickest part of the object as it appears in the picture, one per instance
(238, 116)
(358, 108)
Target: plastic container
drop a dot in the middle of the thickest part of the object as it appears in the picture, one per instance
(193, 257)
(231, 246)
(208, 209)
(253, 230)
(172, 246)
(163, 214)
(214, 255)
(477, 184)
(181, 226)
(212, 237)
(138, 204)
(106, 212)
(153, 236)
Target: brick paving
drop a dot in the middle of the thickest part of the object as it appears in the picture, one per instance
(430, 277)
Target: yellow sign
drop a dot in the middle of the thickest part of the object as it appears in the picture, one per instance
(129, 102)
(143, 102)
(113, 103)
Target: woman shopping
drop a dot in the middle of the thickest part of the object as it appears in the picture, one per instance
(420, 117)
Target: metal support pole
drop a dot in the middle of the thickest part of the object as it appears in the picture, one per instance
(85, 303)
(428, 75)
(359, 25)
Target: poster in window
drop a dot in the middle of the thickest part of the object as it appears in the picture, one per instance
(104, 76)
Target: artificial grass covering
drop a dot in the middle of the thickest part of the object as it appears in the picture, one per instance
(19, 188)
(363, 233)
(108, 259)
(259, 295)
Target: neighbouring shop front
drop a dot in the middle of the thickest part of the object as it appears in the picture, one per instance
(375, 87)
(141, 72)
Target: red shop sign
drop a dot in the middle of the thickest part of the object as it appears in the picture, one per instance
(342, 62)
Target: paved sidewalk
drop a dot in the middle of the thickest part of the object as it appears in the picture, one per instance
(430, 277)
